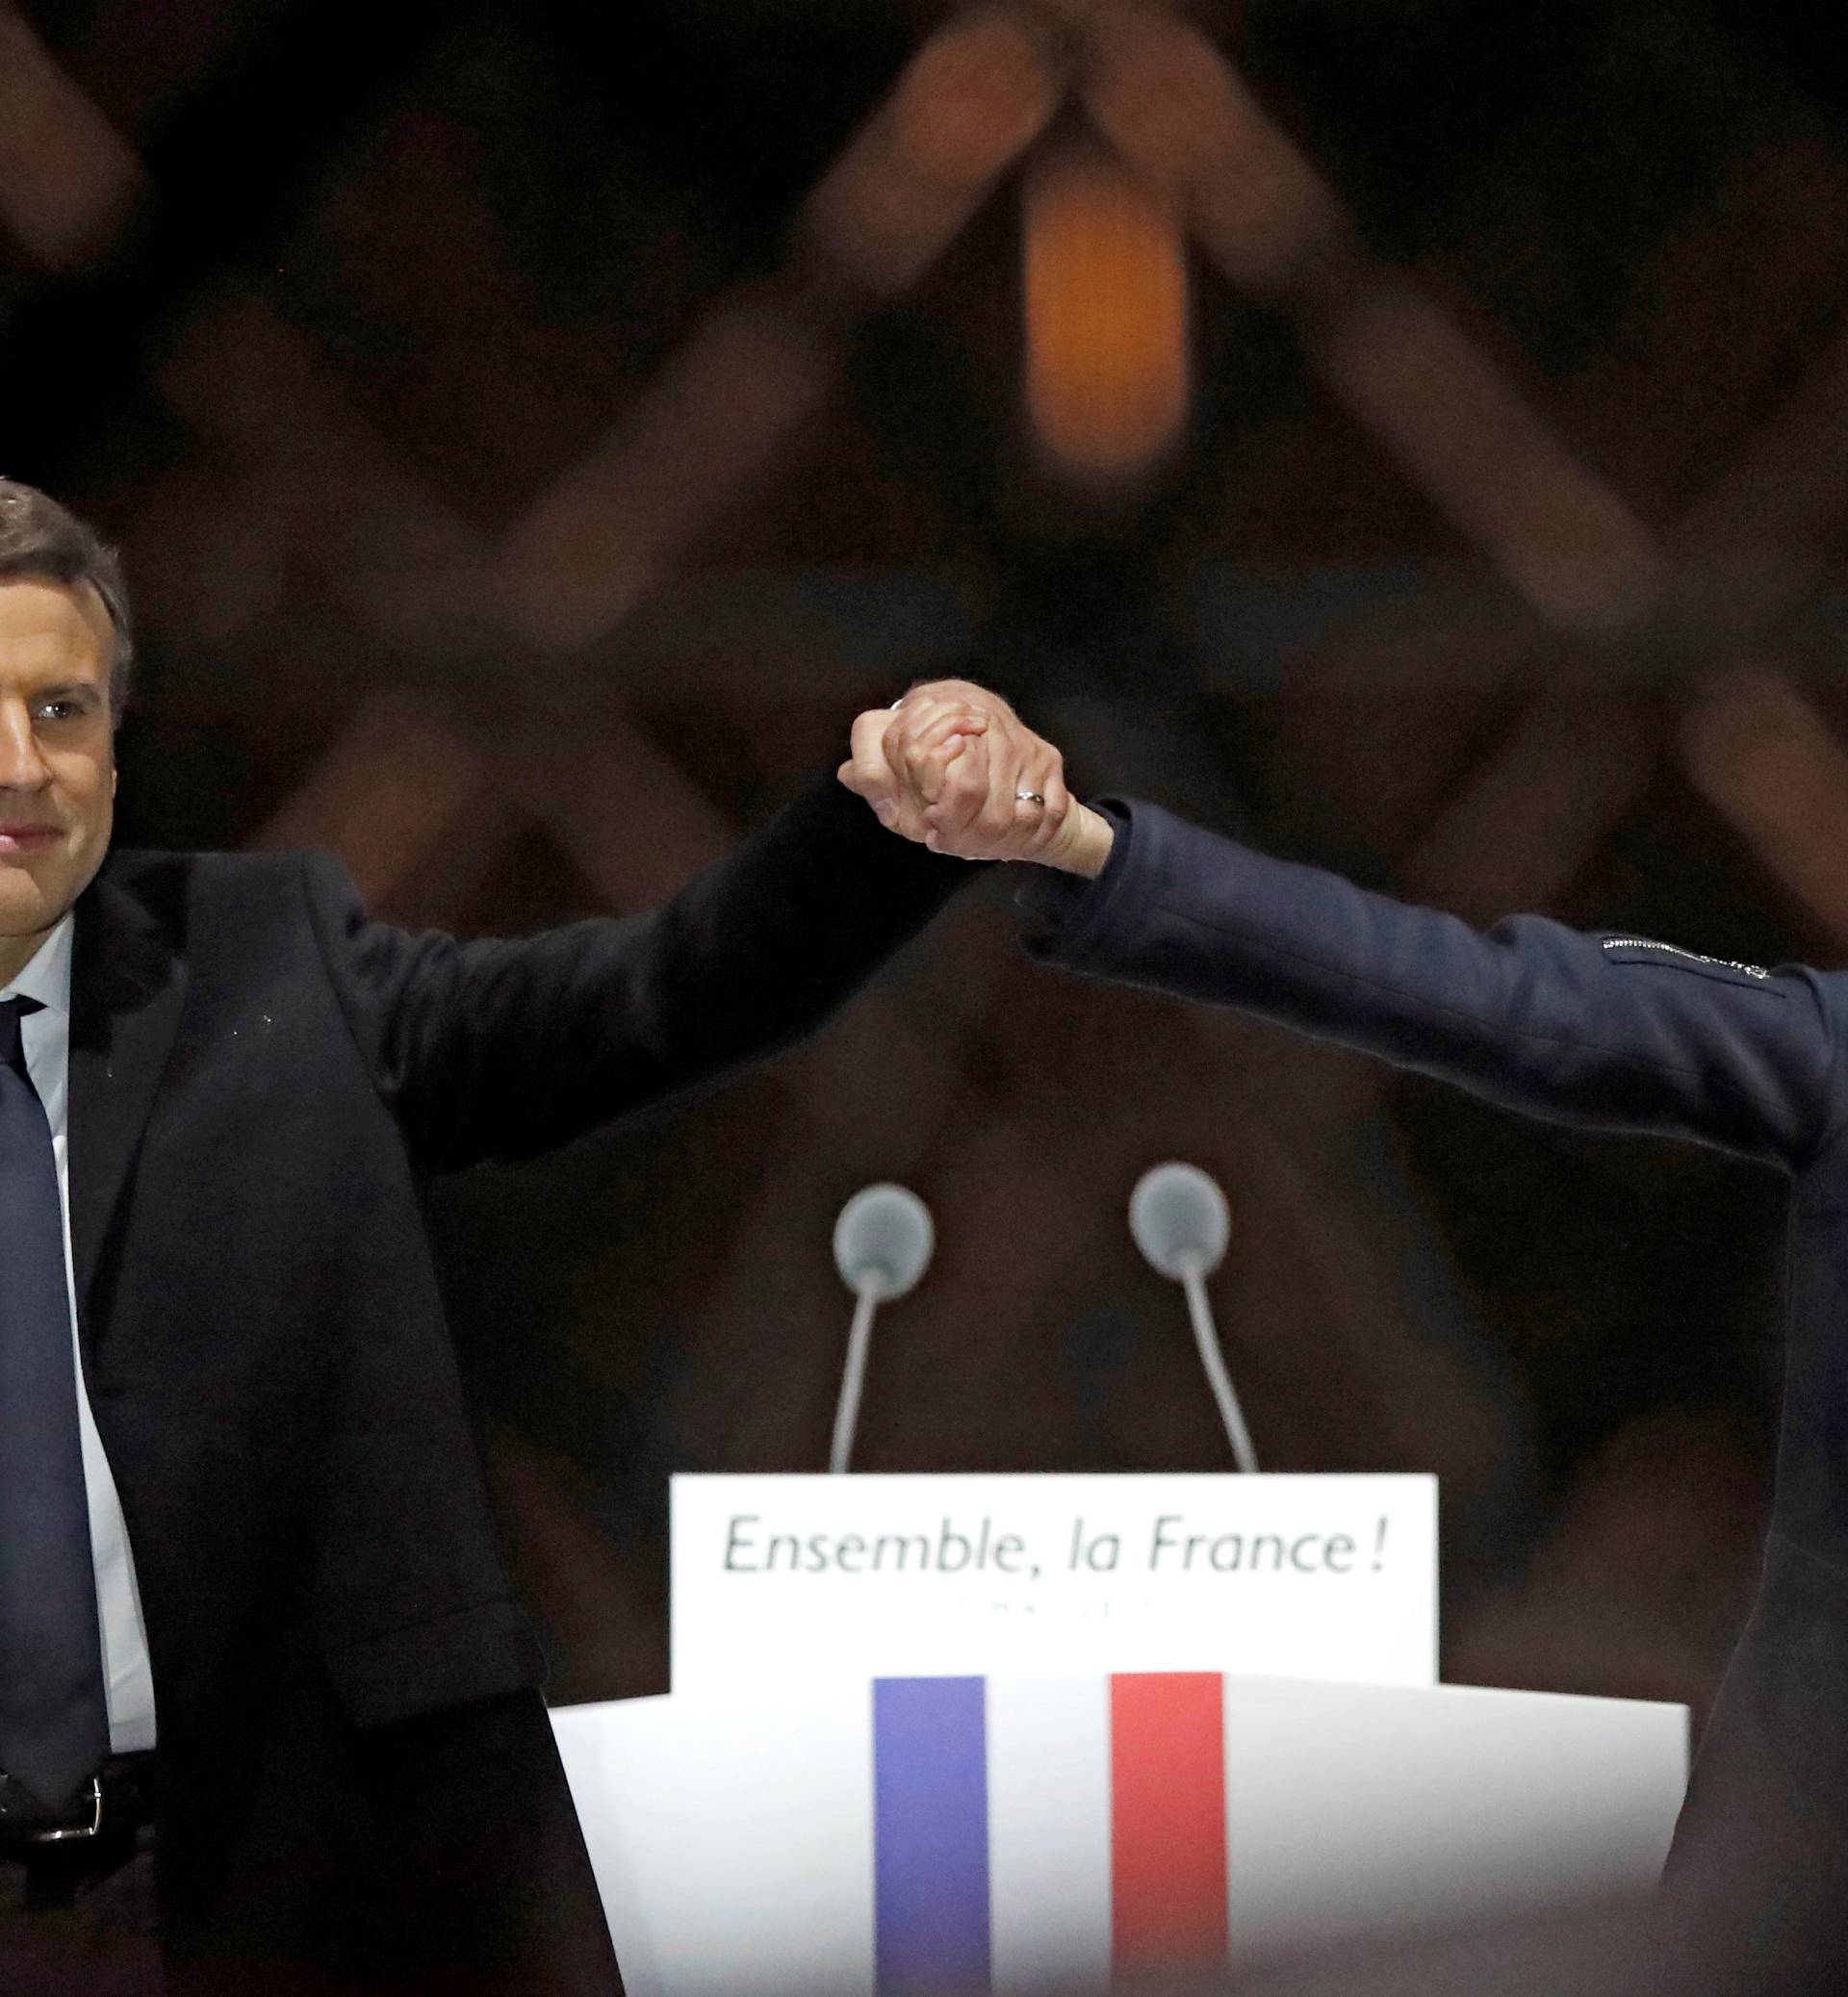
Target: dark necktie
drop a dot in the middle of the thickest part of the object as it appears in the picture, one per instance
(54, 1715)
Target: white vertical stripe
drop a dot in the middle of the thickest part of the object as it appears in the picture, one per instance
(1049, 1833)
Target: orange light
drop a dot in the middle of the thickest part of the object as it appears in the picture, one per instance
(1107, 314)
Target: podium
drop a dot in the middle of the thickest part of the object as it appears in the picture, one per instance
(1024, 1834)
(1013, 1733)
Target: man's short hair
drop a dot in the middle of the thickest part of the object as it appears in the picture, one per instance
(39, 537)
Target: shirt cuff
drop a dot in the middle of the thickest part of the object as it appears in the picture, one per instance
(1058, 911)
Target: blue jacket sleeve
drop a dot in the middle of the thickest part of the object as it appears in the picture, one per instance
(1617, 1032)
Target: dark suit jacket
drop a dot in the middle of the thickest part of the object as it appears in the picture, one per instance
(1623, 1032)
(262, 1081)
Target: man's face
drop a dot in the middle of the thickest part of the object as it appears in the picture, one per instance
(56, 755)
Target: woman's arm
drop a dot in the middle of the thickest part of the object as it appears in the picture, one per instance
(1621, 1032)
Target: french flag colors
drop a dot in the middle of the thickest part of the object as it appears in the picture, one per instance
(968, 1835)
(930, 1834)
(1061, 1826)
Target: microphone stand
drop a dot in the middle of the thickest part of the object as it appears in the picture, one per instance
(1206, 1337)
(853, 1376)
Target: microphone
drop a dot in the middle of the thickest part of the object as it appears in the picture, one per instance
(1180, 1223)
(883, 1242)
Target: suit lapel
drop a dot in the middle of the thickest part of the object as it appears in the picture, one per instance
(126, 989)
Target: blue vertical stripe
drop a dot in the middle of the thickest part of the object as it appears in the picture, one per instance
(929, 1834)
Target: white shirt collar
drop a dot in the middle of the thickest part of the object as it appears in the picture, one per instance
(46, 978)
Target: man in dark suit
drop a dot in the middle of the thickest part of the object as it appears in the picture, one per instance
(1613, 1032)
(269, 1716)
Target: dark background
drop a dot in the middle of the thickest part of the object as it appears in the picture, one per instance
(325, 312)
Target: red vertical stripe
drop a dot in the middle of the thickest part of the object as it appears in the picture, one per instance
(1167, 1819)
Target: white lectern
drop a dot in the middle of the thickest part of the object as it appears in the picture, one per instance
(970, 1833)
(1005, 1732)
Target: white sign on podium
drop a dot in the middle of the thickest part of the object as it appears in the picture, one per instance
(788, 1579)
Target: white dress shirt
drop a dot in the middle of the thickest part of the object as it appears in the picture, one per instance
(127, 1674)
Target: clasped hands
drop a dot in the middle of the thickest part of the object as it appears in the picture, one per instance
(953, 767)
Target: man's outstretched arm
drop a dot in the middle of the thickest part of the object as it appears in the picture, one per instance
(1620, 1032)
(506, 1048)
